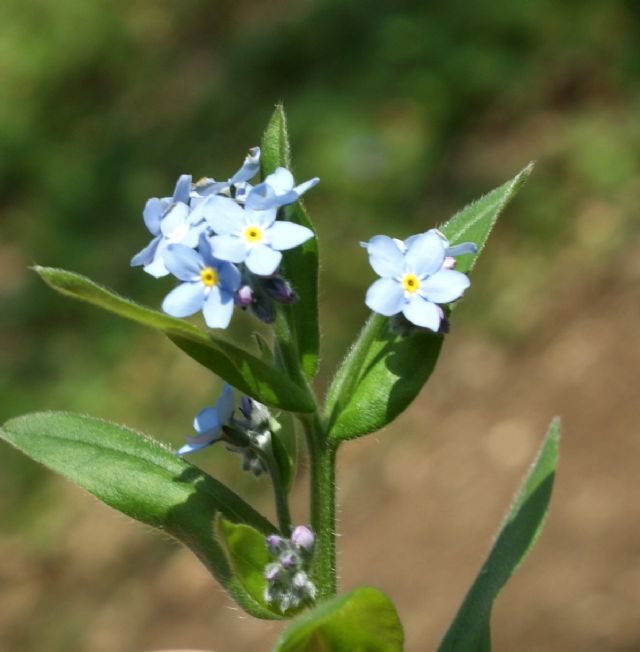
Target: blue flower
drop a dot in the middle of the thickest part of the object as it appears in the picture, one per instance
(415, 278)
(276, 190)
(208, 423)
(170, 221)
(251, 236)
(209, 284)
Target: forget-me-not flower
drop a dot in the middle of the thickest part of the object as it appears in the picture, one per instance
(208, 423)
(250, 167)
(209, 284)
(170, 221)
(251, 236)
(415, 278)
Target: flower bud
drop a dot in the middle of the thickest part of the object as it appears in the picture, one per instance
(279, 289)
(302, 538)
(276, 544)
(244, 296)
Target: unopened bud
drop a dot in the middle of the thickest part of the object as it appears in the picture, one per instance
(302, 538)
(279, 289)
(449, 263)
(244, 296)
(276, 544)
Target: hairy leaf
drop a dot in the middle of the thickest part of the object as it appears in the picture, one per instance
(236, 366)
(142, 479)
(300, 265)
(470, 630)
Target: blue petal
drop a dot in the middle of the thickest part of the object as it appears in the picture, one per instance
(386, 297)
(262, 260)
(157, 267)
(425, 254)
(228, 276)
(182, 189)
(264, 219)
(152, 214)
(175, 219)
(286, 235)
(192, 236)
(225, 405)
(281, 181)
(445, 286)
(184, 263)
(462, 248)
(261, 197)
(422, 313)
(184, 300)
(307, 185)
(207, 421)
(218, 308)
(229, 247)
(145, 256)
(196, 444)
(249, 168)
(223, 214)
(385, 256)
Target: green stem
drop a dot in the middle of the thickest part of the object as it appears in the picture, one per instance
(280, 494)
(322, 460)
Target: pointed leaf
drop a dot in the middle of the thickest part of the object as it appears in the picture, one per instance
(383, 372)
(236, 366)
(363, 620)
(470, 631)
(300, 265)
(142, 479)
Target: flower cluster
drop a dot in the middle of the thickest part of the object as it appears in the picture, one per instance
(417, 276)
(249, 434)
(223, 240)
(288, 584)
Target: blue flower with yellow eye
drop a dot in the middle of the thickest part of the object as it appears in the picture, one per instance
(209, 284)
(415, 277)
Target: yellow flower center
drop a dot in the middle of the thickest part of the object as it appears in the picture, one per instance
(410, 283)
(209, 276)
(253, 234)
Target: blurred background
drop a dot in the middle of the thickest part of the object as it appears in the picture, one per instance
(406, 110)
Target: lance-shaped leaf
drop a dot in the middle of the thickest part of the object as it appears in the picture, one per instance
(470, 630)
(142, 479)
(364, 619)
(300, 265)
(236, 366)
(383, 372)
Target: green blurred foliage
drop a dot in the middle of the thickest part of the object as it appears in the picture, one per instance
(406, 110)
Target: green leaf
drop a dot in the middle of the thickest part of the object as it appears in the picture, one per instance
(470, 630)
(236, 366)
(383, 372)
(364, 620)
(300, 265)
(248, 556)
(142, 479)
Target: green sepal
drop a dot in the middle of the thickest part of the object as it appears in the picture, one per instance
(363, 620)
(384, 371)
(248, 557)
(471, 628)
(300, 265)
(143, 479)
(239, 368)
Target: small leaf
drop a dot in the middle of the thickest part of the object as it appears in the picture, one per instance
(364, 620)
(300, 265)
(236, 366)
(142, 479)
(383, 372)
(248, 556)
(470, 630)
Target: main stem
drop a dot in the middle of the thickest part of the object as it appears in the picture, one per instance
(322, 460)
